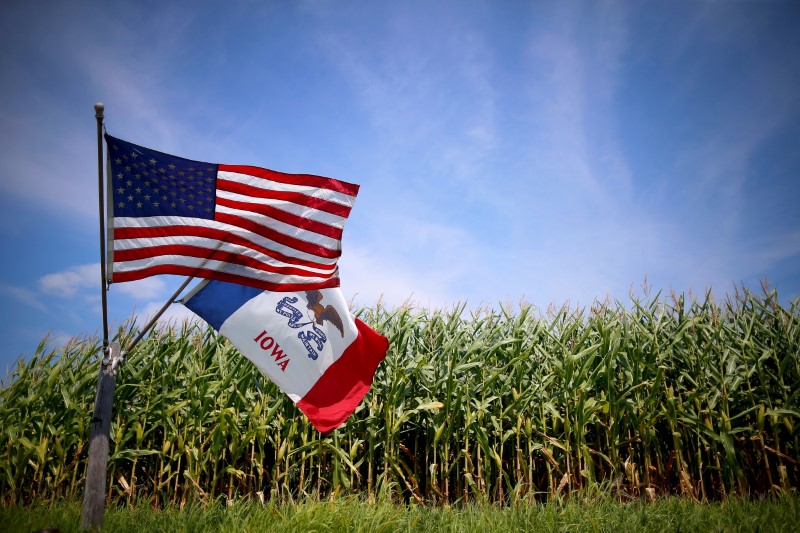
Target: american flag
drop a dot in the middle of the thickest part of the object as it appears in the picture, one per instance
(241, 224)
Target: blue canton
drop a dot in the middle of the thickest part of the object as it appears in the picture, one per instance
(148, 183)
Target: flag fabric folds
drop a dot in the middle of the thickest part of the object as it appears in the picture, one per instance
(240, 224)
(306, 342)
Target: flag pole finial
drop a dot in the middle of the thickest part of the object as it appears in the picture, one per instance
(98, 110)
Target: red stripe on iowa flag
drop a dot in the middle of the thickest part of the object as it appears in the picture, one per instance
(335, 396)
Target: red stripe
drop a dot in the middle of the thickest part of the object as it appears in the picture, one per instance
(271, 234)
(337, 393)
(282, 216)
(287, 196)
(217, 255)
(120, 277)
(211, 233)
(320, 182)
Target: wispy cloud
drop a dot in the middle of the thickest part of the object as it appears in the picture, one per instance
(25, 296)
(428, 95)
(174, 314)
(143, 289)
(718, 180)
(577, 74)
(68, 282)
(70, 49)
(84, 281)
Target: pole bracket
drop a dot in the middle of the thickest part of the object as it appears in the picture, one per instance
(114, 358)
(117, 361)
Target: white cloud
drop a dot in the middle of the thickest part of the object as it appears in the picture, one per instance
(143, 289)
(68, 282)
(174, 314)
(368, 278)
(434, 264)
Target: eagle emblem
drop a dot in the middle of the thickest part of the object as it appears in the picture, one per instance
(323, 312)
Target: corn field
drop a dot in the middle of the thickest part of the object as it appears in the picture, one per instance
(660, 395)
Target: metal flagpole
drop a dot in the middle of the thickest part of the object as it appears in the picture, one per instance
(171, 300)
(97, 465)
(153, 320)
(98, 113)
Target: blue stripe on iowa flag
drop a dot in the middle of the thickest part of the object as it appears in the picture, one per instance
(216, 301)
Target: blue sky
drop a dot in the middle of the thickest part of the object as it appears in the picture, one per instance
(506, 151)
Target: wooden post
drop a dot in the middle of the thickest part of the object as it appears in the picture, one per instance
(94, 498)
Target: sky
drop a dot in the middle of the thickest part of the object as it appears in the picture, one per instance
(546, 152)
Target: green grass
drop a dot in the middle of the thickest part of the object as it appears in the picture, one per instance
(351, 514)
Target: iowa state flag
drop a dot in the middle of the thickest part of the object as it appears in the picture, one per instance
(306, 342)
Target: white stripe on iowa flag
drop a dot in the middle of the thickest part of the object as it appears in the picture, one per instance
(307, 343)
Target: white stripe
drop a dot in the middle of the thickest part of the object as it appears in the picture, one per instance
(219, 266)
(284, 228)
(269, 185)
(152, 222)
(259, 315)
(210, 244)
(300, 210)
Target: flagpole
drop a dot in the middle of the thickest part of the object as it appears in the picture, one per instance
(94, 497)
(160, 312)
(170, 301)
(98, 113)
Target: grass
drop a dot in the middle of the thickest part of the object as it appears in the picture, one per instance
(353, 514)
